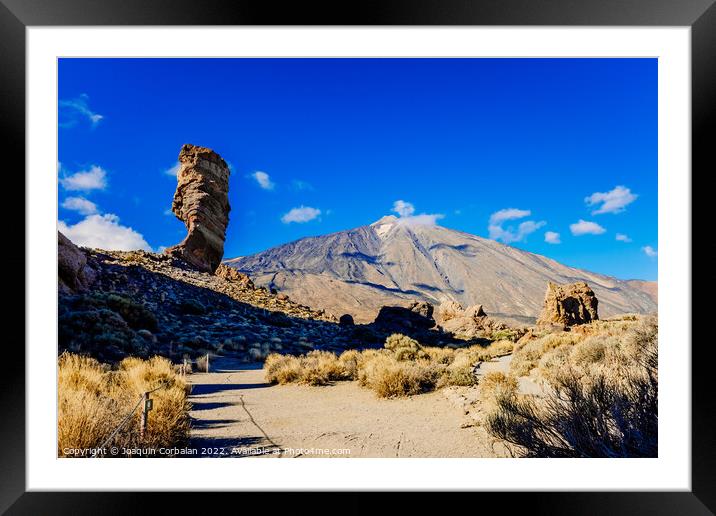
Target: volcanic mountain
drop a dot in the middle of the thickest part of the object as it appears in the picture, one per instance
(397, 260)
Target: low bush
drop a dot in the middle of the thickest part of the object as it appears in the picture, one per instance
(315, 368)
(137, 316)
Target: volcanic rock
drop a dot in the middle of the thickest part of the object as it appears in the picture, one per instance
(231, 274)
(74, 274)
(201, 201)
(346, 320)
(567, 305)
(467, 323)
(416, 316)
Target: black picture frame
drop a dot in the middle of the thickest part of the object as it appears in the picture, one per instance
(699, 15)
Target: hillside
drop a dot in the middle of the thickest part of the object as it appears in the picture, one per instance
(393, 261)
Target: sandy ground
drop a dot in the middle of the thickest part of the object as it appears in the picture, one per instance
(236, 413)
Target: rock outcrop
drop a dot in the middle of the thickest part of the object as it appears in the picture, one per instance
(201, 201)
(74, 274)
(567, 305)
(231, 274)
(416, 316)
(467, 323)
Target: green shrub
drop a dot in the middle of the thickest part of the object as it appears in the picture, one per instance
(137, 316)
(191, 307)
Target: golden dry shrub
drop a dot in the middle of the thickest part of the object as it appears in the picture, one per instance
(494, 386)
(528, 357)
(443, 356)
(389, 377)
(460, 372)
(315, 368)
(321, 368)
(94, 400)
(349, 361)
(404, 347)
(282, 369)
(500, 348)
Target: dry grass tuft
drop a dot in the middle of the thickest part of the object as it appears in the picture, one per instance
(315, 368)
(94, 399)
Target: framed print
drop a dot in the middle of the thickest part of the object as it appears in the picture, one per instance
(444, 247)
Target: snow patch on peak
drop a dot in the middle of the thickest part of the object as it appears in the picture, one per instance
(388, 219)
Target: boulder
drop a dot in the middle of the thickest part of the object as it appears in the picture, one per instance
(416, 316)
(449, 310)
(201, 201)
(467, 323)
(346, 320)
(568, 305)
(73, 272)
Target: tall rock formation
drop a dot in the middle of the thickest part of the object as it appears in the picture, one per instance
(201, 201)
(568, 305)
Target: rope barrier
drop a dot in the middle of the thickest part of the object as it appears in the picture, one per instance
(127, 418)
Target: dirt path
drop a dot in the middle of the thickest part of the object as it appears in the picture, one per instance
(237, 414)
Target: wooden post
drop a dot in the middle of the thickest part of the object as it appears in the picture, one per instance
(143, 419)
(183, 371)
(207, 362)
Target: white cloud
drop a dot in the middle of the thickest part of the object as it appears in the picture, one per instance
(614, 201)
(501, 216)
(510, 234)
(406, 212)
(584, 227)
(104, 232)
(622, 237)
(424, 219)
(174, 170)
(85, 180)
(80, 205)
(72, 110)
(552, 238)
(300, 215)
(263, 179)
(402, 208)
(650, 251)
(301, 185)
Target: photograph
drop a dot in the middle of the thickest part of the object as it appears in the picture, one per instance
(351, 257)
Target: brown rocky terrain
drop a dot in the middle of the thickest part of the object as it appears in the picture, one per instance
(201, 201)
(142, 303)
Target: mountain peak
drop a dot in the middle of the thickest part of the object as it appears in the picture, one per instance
(399, 260)
(388, 219)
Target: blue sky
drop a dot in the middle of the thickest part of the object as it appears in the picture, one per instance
(519, 150)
